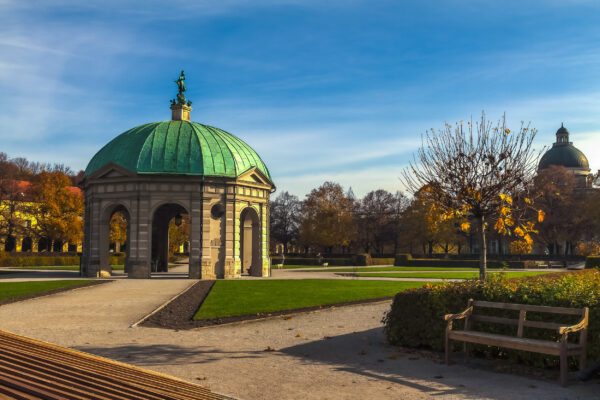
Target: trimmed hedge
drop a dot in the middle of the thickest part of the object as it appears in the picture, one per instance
(313, 261)
(405, 260)
(592, 262)
(362, 259)
(416, 316)
(7, 260)
(382, 261)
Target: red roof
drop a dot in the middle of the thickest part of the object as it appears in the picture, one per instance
(21, 186)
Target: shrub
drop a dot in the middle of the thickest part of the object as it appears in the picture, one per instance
(312, 261)
(39, 261)
(592, 262)
(402, 258)
(363, 259)
(441, 263)
(7, 260)
(382, 261)
(3, 257)
(117, 260)
(416, 316)
(588, 248)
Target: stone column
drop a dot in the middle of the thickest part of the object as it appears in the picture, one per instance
(208, 271)
(229, 239)
(139, 261)
(93, 266)
(195, 264)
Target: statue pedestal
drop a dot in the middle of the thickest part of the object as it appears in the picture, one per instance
(180, 112)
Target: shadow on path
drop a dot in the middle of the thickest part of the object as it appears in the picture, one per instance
(367, 354)
(166, 354)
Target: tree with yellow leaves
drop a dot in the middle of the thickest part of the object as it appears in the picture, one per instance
(118, 230)
(57, 209)
(473, 172)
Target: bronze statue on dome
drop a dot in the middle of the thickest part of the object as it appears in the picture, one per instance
(181, 85)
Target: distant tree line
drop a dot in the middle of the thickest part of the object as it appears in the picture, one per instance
(331, 220)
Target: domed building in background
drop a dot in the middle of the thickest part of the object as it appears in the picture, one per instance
(158, 173)
(564, 154)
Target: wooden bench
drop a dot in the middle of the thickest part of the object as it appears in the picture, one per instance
(561, 348)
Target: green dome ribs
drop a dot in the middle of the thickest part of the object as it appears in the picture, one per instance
(178, 147)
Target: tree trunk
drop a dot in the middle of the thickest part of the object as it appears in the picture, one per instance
(482, 251)
(430, 243)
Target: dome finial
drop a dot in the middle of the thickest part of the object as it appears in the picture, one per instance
(179, 107)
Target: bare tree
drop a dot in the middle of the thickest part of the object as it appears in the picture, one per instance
(285, 219)
(375, 218)
(327, 219)
(472, 171)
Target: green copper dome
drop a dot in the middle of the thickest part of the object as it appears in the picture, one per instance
(179, 147)
(564, 154)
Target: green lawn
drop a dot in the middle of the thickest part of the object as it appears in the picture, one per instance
(228, 298)
(274, 266)
(378, 269)
(448, 275)
(9, 290)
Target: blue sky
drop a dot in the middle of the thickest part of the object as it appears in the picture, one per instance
(322, 90)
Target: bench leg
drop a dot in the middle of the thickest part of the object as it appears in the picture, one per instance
(564, 368)
(447, 349)
(582, 361)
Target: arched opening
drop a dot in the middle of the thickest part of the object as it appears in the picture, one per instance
(27, 244)
(10, 244)
(170, 233)
(250, 242)
(44, 244)
(57, 246)
(115, 231)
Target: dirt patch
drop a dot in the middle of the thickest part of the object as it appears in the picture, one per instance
(179, 313)
(49, 292)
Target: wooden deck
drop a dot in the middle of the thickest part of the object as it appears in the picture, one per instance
(31, 369)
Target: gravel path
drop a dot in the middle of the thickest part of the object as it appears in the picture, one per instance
(330, 354)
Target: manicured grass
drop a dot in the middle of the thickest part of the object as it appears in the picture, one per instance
(10, 290)
(274, 266)
(229, 298)
(449, 275)
(378, 269)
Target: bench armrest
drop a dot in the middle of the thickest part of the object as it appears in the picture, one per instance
(452, 317)
(565, 330)
(581, 325)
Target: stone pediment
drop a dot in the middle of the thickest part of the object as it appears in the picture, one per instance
(255, 175)
(111, 171)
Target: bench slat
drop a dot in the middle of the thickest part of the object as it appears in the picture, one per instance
(529, 307)
(510, 321)
(538, 346)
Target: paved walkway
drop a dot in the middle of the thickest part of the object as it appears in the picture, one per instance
(330, 354)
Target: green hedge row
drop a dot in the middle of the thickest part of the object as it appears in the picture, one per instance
(405, 260)
(416, 316)
(592, 262)
(7, 260)
(312, 261)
